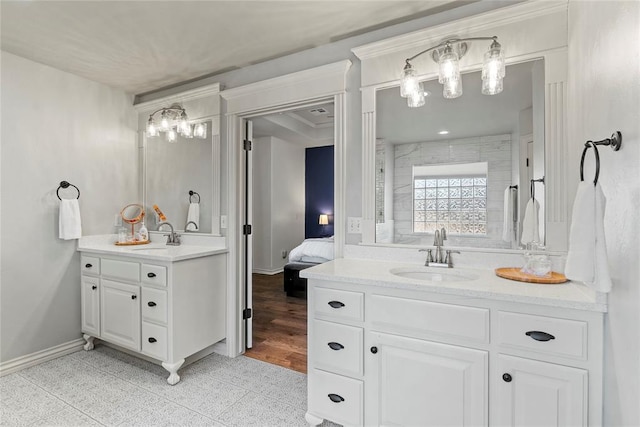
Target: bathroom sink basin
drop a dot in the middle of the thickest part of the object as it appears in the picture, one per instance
(429, 275)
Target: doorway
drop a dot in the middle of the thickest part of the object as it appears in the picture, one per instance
(289, 169)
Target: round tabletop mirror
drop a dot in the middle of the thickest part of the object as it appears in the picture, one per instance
(132, 214)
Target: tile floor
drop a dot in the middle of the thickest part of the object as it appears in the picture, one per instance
(108, 387)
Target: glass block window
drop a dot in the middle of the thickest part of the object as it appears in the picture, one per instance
(457, 203)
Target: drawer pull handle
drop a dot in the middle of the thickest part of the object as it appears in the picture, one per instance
(540, 336)
(94, 287)
(335, 345)
(134, 296)
(336, 304)
(88, 265)
(151, 304)
(374, 349)
(336, 398)
(152, 340)
(506, 378)
(151, 275)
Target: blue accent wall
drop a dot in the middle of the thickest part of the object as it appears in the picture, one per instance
(318, 191)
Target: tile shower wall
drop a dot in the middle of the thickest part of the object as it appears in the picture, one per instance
(495, 150)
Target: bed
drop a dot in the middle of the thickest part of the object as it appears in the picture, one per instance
(309, 253)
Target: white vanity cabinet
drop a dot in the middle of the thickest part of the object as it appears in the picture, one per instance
(389, 354)
(166, 310)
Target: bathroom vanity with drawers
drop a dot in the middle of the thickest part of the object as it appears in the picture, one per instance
(466, 349)
(166, 303)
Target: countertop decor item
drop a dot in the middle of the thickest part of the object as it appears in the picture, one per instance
(515, 273)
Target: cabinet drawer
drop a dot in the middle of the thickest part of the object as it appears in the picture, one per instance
(154, 305)
(547, 335)
(335, 398)
(90, 265)
(154, 341)
(423, 318)
(337, 348)
(339, 304)
(120, 269)
(154, 274)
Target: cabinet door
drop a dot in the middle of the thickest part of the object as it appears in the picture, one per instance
(120, 311)
(532, 393)
(414, 382)
(90, 307)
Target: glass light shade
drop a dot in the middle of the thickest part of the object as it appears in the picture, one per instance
(493, 70)
(183, 124)
(324, 219)
(417, 99)
(409, 83)
(448, 66)
(452, 88)
(491, 86)
(200, 130)
(164, 122)
(172, 135)
(188, 131)
(152, 130)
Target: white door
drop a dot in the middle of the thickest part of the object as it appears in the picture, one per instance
(532, 393)
(247, 216)
(422, 383)
(90, 297)
(120, 309)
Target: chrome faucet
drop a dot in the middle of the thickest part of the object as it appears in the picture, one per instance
(439, 260)
(173, 238)
(438, 242)
(186, 226)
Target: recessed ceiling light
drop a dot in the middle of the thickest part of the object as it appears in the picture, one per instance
(443, 132)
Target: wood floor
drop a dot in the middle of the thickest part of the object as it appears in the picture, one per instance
(279, 324)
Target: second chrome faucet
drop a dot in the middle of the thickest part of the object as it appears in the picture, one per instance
(439, 260)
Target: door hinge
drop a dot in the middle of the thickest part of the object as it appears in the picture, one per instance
(247, 145)
(246, 229)
(246, 314)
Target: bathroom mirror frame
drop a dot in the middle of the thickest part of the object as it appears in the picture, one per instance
(202, 105)
(528, 31)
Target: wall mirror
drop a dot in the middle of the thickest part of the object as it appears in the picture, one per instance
(173, 170)
(451, 163)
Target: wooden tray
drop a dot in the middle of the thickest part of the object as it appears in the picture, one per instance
(514, 273)
(136, 242)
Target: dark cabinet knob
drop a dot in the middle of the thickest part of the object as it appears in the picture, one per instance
(152, 275)
(336, 304)
(88, 265)
(336, 398)
(94, 287)
(152, 340)
(335, 345)
(506, 378)
(374, 349)
(151, 304)
(540, 336)
(134, 296)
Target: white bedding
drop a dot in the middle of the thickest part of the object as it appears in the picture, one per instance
(313, 250)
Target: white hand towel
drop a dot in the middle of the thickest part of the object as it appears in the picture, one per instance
(193, 215)
(587, 257)
(530, 233)
(507, 224)
(69, 224)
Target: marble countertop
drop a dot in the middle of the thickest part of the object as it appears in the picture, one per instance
(485, 284)
(159, 251)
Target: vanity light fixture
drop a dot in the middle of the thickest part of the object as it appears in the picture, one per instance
(447, 54)
(173, 121)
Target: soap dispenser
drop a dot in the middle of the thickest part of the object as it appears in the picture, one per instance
(143, 232)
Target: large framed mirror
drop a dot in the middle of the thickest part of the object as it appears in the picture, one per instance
(416, 179)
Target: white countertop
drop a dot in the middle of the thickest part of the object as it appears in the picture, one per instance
(159, 251)
(487, 285)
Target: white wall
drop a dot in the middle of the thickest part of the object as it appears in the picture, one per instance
(56, 127)
(604, 96)
(278, 201)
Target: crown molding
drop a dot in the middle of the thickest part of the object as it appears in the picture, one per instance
(189, 95)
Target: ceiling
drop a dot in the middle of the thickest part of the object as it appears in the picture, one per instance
(310, 126)
(142, 46)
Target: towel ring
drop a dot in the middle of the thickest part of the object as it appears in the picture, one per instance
(65, 184)
(193, 193)
(614, 142)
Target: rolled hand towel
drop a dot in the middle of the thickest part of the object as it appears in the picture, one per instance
(530, 233)
(507, 224)
(193, 215)
(587, 260)
(69, 224)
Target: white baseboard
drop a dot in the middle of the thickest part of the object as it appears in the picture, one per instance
(23, 362)
(268, 272)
